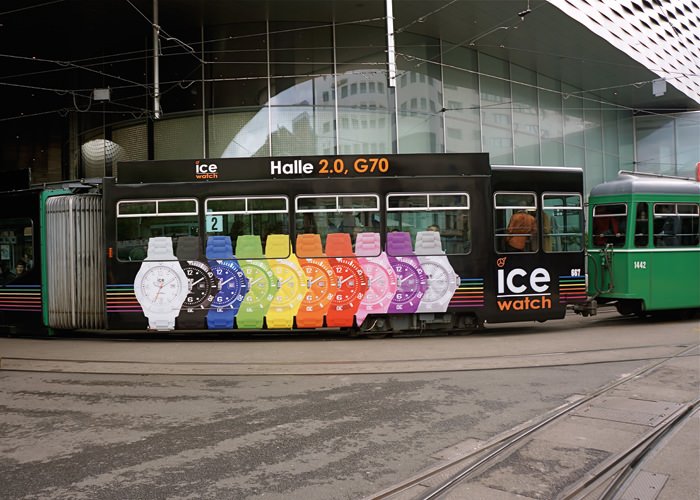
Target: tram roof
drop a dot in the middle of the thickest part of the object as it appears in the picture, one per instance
(647, 184)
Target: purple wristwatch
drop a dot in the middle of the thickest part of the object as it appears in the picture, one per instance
(411, 280)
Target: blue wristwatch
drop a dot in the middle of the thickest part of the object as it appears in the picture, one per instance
(233, 284)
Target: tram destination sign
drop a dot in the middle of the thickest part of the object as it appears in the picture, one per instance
(312, 167)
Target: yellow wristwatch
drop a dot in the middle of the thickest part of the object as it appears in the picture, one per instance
(290, 279)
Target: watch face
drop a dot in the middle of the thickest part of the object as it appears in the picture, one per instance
(381, 283)
(288, 285)
(161, 285)
(410, 280)
(351, 281)
(201, 284)
(320, 284)
(231, 284)
(260, 283)
(438, 281)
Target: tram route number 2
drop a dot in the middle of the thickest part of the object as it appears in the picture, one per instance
(215, 223)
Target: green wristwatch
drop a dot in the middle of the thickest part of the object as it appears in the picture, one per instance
(261, 282)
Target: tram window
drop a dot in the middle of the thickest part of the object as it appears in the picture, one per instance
(609, 224)
(562, 222)
(16, 248)
(139, 220)
(447, 213)
(515, 222)
(326, 214)
(676, 224)
(641, 226)
(247, 215)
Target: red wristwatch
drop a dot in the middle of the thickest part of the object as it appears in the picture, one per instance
(351, 280)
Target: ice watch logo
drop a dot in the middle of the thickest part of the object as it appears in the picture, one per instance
(519, 290)
(205, 170)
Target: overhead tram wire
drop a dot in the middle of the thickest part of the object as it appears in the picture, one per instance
(544, 89)
(186, 83)
(105, 58)
(29, 7)
(423, 18)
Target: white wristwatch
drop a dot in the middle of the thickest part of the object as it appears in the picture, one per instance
(161, 285)
(442, 279)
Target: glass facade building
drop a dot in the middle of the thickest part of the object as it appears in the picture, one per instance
(560, 83)
(318, 90)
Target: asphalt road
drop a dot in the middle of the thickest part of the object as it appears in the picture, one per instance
(325, 436)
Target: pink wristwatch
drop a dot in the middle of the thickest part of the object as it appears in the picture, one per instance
(380, 275)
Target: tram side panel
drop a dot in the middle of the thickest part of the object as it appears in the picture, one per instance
(485, 281)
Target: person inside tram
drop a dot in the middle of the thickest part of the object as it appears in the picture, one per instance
(434, 227)
(666, 227)
(606, 228)
(20, 268)
(522, 228)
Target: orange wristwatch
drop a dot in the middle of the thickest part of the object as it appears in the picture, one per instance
(320, 286)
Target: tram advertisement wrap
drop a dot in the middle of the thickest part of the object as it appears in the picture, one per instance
(170, 291)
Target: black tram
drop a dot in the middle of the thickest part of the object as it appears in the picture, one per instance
(370, 244)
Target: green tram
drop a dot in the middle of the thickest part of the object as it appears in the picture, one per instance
(644, 243)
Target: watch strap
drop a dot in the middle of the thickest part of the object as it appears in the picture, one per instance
(161, 323)
(309, 245)
(220, 320)
(249, 246)
(429, 243)
(219, 247)
(368, 245)
(192, 320)
(278, 246)
(344, 318)
(399, 243)
(249, 320)
(188, 248)
(309, 319)
(160, 248)
(339, 245)
(277, 319)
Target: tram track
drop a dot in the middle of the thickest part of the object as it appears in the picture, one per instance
(618, 472)
(313, 359)
(613, 473)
